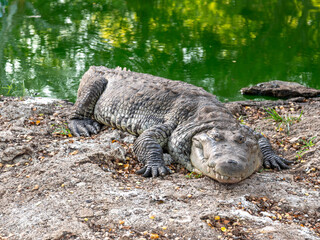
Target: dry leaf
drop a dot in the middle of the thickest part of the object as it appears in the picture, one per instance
(74, 152)
(154, 236)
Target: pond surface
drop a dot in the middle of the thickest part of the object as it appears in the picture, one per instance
(222, 45)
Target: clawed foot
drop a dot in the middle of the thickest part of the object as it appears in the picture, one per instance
(274, 161)
(270, 158)
(154, 170)
(84, 127)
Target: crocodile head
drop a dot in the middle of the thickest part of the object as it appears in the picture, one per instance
(227, 156)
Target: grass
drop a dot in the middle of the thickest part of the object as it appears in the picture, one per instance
(307, 145)
(192, 175)
(286, 120)
(13, 90)
(9, 88)
(241, 120)
(62, 130)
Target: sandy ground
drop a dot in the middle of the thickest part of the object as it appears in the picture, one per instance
(54, 186)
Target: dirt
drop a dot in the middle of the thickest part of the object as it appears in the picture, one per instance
(54, 186)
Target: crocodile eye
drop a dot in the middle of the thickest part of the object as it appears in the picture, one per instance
(197, 144)
(215, 135)
(240, 139)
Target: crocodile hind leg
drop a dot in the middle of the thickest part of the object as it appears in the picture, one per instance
(81, 122)
(148, 148)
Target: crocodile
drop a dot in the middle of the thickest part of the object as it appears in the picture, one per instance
(171, 118)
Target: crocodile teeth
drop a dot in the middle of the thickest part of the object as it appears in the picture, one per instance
(224, 177)
(218, 176)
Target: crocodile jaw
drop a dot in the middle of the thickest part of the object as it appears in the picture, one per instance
(201, 166)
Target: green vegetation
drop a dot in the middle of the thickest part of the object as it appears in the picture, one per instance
(222, 46)
(9, 88)
(241, 120)
(285, 121)
(192, 175)
(13, 90)
(61, 129)
(307, 144)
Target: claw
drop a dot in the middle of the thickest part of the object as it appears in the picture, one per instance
(92, 129)
(142, 170)
(97, 126)
(266, 164)
(276, 162)
(83, 127)
(147, 172)
(272, 160)
(285, 161)
(154, 171)
(83, 131)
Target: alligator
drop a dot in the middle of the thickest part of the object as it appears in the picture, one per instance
(171, 118)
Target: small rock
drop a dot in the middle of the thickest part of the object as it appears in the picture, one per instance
(117, 151)
(6, 136)
(85, 212)
(113, 135)
(10, 153)
(266, 214)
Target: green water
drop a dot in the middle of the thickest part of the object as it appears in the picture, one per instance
(222, 45)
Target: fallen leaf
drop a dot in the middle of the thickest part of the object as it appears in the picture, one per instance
(74, 152)
(154, 236)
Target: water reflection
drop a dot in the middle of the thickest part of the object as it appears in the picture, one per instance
(46, 46)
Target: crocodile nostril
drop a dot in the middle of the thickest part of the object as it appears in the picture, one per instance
(233, 162)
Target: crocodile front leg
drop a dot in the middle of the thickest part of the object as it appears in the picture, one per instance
(270, 158)
(81, 122)
(148, 148)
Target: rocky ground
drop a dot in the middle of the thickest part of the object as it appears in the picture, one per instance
(54, 186)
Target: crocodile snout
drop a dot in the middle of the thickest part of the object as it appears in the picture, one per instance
(230, 167)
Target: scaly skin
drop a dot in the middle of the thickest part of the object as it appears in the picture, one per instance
(186, 121)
